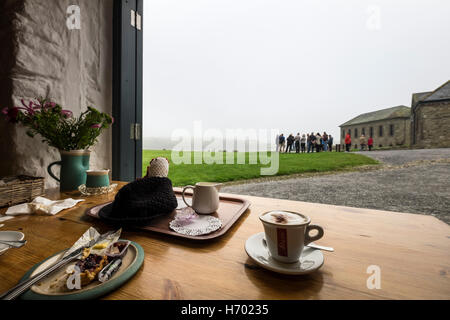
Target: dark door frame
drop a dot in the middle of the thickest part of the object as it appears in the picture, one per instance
(127, 89)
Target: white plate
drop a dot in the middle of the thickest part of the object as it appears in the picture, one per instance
(310, 261)
(9, 236)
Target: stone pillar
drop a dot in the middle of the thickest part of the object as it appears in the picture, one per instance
(8, 39)
(71, 67)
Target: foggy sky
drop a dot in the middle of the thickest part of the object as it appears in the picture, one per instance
(297, 66)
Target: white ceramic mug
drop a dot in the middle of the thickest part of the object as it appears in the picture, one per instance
(286, 241)
(205, 199)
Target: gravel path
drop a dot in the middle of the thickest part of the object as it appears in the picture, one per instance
(414, 181)
(399, 157)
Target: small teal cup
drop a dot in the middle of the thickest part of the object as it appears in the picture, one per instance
(97, 178)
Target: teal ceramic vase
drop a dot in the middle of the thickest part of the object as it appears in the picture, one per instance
(74, 165)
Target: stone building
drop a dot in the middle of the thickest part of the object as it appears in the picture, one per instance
(430, 118)
(388, 127)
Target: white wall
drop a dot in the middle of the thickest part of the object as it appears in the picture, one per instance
(71, 67)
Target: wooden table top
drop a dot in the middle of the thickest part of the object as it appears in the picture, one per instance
(412, 251)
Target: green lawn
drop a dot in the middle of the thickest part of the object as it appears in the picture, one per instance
(186, 174)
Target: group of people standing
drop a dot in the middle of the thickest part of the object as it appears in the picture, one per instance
(305, 143)
(362, 142)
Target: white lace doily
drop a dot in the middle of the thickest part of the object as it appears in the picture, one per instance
(189, 223)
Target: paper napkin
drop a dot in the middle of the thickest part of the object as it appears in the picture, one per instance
(42, 205)
(3, 218)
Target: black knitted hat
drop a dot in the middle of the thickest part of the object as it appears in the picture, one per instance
(139, 202)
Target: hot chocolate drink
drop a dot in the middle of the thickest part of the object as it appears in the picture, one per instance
(284, 218)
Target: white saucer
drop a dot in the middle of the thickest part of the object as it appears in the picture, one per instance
(310, 261)
(9, 236)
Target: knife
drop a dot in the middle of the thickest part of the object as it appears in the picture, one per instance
(25, 285)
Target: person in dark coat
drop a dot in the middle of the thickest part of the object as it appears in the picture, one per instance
(330, 143)
(313, 142)
(290, 142)
(297, 143)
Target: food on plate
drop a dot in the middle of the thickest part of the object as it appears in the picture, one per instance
(100, 246)
(96, 264)
(118, 249)
(90, 267)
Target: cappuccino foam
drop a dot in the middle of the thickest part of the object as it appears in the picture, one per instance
(283, 218)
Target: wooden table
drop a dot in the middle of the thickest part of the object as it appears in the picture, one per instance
(413, 252)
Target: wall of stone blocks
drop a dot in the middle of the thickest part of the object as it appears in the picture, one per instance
(433, 125)
(401, 136)
(46, 59)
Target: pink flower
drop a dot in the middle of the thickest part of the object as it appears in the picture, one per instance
(96, 126)
(5, 111)
(112, 120)
(29, 108)
(67, 113)
(23, 103)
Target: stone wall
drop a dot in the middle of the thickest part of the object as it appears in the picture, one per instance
(433, 125)
(400, 137)
(46, 59)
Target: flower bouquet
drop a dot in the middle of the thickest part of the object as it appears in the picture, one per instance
(59, 128)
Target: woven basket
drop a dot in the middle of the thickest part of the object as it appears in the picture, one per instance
(20, 189)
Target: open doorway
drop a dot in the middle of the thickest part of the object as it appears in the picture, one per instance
(317, 69)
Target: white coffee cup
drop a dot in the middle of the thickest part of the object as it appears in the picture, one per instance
(287, 233)
(206, 197)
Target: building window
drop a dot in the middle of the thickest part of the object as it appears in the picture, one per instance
(371, 131)
(350, 132)
(380, 132)
(363, 131)
(356, 133)
(391, 130)
(343, 134)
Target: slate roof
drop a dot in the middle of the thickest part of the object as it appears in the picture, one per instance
(441, 93)
(417, 97)
(390, 113)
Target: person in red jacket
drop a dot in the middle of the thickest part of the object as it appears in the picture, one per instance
(348, 142)
(370, 143)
